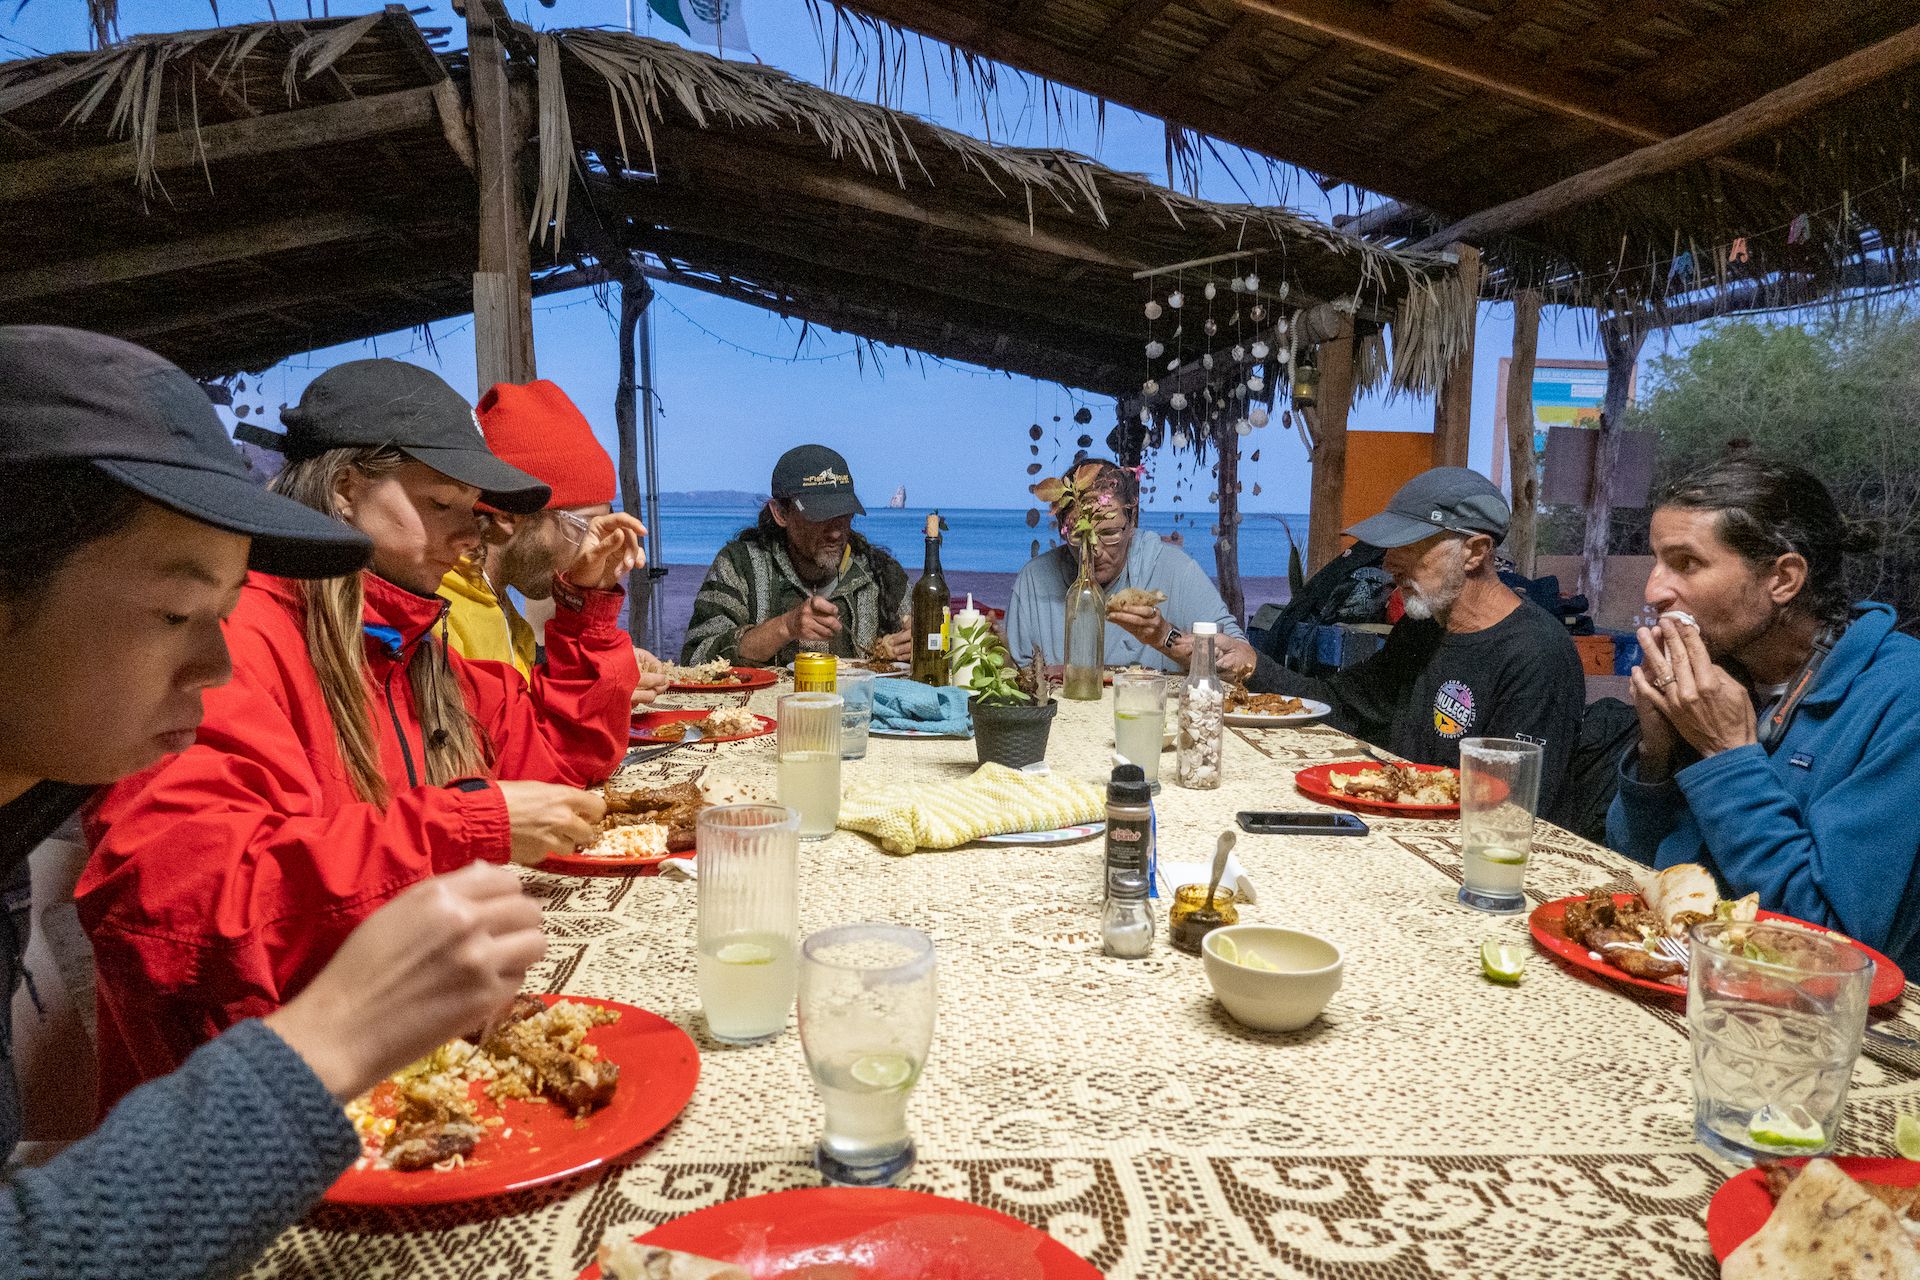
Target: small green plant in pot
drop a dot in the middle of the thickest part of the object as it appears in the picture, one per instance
(1013, 707)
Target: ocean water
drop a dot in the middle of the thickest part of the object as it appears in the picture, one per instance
(979, 540)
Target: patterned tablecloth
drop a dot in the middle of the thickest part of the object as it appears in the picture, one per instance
(1430, 1124)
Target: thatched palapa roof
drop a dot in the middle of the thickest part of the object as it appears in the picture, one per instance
(1457, 106)
(232, 197)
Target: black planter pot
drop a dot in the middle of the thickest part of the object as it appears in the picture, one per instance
(1012, 736)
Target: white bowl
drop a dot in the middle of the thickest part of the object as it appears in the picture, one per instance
(1309, 972)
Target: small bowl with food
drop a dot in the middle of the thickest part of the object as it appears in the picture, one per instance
(1272, 978)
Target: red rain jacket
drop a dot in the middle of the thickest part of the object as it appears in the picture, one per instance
(224, 878)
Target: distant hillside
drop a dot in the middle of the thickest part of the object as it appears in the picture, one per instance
(712, 498)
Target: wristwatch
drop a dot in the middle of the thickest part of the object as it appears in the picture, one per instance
(1171, 638)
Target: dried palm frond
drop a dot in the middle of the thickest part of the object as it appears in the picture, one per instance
(556, 155)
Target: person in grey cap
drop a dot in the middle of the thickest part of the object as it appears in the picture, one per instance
(127, 523)
(1471, 659)
(353, 753)
(801, 576)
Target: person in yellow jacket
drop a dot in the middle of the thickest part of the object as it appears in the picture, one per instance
(546, 435)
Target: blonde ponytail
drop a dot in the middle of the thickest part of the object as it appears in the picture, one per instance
(336, 645)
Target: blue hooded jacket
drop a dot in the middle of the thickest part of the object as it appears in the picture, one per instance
(1826, 826)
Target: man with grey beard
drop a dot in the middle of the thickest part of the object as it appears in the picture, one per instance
(1471, 659)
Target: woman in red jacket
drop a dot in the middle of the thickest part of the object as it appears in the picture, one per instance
(352, 755)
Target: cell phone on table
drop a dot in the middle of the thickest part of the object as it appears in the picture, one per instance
(1267, 822)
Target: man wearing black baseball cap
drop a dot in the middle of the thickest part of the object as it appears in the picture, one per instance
(127, 524)
(1471, 659)
(801, 575)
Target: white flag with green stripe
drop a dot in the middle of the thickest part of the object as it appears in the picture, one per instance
(716, 22)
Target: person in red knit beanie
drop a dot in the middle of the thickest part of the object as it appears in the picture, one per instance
(536, 428)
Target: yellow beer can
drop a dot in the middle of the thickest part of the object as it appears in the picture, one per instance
(813, 673)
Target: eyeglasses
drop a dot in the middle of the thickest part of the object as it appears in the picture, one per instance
(576, 526)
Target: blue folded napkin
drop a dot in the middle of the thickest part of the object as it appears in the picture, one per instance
(908, 704)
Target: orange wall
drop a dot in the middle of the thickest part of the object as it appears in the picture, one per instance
(1378, 463)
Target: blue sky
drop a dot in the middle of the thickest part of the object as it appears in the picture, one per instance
(731, 401)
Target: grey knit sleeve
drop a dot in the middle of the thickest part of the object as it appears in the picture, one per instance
(190, 1176)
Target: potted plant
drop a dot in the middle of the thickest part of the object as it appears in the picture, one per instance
(1013, 706)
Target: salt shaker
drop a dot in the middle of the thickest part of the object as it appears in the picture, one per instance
(1203, 710)
(1126, 921)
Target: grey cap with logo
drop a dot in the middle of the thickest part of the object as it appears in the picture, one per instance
(1443, 500)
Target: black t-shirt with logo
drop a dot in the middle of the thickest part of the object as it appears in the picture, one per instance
(1427, 689)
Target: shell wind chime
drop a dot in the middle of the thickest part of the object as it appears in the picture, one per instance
(1216, 351)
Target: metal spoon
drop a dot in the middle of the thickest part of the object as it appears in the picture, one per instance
(1227, 840)
(1205, 918)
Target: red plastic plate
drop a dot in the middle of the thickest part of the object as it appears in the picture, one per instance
(659, 1066)
(749, 678)
(844, 1233)
(1742, 1206)
(1314, 782)
(1548, 925)
(648, 722)
(581, 864)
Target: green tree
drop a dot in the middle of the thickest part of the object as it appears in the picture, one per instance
(1840, 397)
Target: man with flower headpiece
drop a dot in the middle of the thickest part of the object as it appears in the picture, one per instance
(1133, 567)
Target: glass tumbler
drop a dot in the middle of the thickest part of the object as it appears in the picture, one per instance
(1140, 720)
(856, 693)
(749, 919)
(1499, 792)
(867, 1001)
(809, 747)
(1775, 1012)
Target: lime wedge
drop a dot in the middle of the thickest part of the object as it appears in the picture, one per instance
(883, 1070)
(1129, 715)
(1254, 960)
(744, 953)
(1502, 961)
(1224, 948)
(1785, 1129)
(1504, 857)
(1906, 1137)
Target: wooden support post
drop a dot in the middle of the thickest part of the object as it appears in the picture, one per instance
(1226, 538)
(1621, 336)
(1522, 534)
(635, 294)
(1328, 420)
(502, 290)
(1453, 406)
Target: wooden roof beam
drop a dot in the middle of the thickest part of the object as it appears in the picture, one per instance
(1394, 215)
(171, 256)
(245, 304)
(981, 310)
(690, 223)
(1763, 115)
(1021, 356)
(1456, 56)
(400, 112)
(1323, 152)
(1203, 64)
(1134, 19)
(876, 195)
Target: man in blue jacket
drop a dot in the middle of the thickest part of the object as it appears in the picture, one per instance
(1780, 728)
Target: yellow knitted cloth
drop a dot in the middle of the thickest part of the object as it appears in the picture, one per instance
(993, 801)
